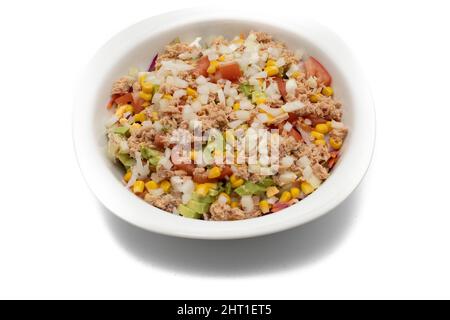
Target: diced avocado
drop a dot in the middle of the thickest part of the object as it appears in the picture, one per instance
(121, 130)
(199, 207)
(199, 198)
(188, 212)
(126, 160)
(228, 187)
(213, 193)
(249, 188)
(153, 156)
(246, 89)
(266, 182)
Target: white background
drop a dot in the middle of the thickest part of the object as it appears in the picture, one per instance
(390, 239)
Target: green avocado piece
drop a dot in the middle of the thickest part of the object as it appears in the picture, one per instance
(198, 207)
(121, 130)
(126, 160)
(188, 212)
(198, 198)
(249, 188)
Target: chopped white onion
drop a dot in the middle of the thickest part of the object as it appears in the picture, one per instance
(287, 161)
(337, 125)
(293, 106)
(291, 86)
(287, 126)
(287, 177)
(304, 162)
(280, 62)
(178, 94)
(242, 115)
(157, 192)
(247, 203)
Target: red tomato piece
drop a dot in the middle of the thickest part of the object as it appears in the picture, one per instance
(281, 86)
(202, 66)
(316, 69)
(230, 71)
(296, 135)
(226, 172)
(187, 167)
(127, 98)
(279, 206)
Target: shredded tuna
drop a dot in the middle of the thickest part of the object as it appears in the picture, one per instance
(165, 202)
(122, 85)
(223, 212)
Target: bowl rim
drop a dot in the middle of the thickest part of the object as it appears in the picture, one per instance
(135, 211)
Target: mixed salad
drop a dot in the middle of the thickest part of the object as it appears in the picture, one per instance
(233, 87)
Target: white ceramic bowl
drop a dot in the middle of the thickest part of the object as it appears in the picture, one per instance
(136, 45)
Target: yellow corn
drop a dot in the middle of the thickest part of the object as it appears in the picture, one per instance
(142, 79)
(295, 192)
(234, 204)
(223, 194)
(295, 74)
(191, 92)
(123, 121)
(127, 176)
(140, 117)
(285, 196)
(271, 62)
(212, 67)
(236, 106)
(329, 125)
(306, 188)
(165, 185)
(317, 135)
(221, 58)
(123, 109)
(272, 70)
(202, 189)
(264, 206)
(327, 91)
(314, 98)
(167, 97)
(147, 87)
(335, 143)
(146, 104)
(320, 142)
(135, 126)
(236, 182)
(138, 186)
(151, 185)
(322, 128)
(261, 100)
(271, 191)
(155, 116)
(214, 172)
(145, 96)
(193, 155)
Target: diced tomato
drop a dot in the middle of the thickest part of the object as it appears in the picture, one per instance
(315, 120)
(127, 98)
(138, 105)
(187, 167)
(160, 141)
(111, 101)
(281, 86)
(315, 68)
(226, 172)
(203, 179)
(292, 118)
(296, 135)
(279, 206)
(230, 71)
(202, 66)
(334, 155)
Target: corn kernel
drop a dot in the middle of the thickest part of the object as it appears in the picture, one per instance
(261, 100)
(329, 125)
(151, 185)
(327, 91)
(295, 192)
(271, 191)
(236, 106)
(270, 63)
(223, 194)
(127, 176)
(123, 109)
(146, 104)
(221, 58)
(322, 128)
(214, 173)
(295, 74)
(191, 92)
(229, 137)
(142, 79)
(138, 186)
(264, 206)
(202, 189)
(167, 97)
(165, 185)
(147, 87)
(135, 126)
(335, 143)
(272, 71)
(140, 117)
(285, 196)
(212, 67)
(155, 116)
(145, 96)
(234, 204)
(236, 182)
(320, 142)
(306, 188)
(314, 98)
(193, 155)
(317, 135)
